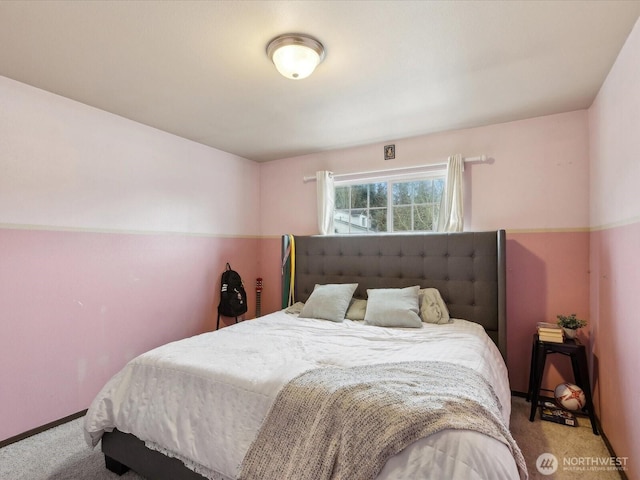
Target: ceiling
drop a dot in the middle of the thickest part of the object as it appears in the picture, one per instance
(393, 69)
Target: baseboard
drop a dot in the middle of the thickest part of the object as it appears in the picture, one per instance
(35, 431)
(623, 474)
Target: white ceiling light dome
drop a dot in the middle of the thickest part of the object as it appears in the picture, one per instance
(295, 55)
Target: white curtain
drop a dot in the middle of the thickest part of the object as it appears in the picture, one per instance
(326, 201)
(451, 217)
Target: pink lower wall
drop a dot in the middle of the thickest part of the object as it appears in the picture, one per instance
(79, 305)
(547, 275)
(270, 269)
(615, 263)
(76, 306)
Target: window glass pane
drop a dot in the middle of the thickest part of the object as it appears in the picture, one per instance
(436, 211)
(351, 221)
(422, 191)
(341, 221)
(423, 217)
(342, 197)
(402, 219)
(402, 193)
(378, 219)
(348, 221)
(359, 222)
(438, 189)
(378, 194)
(359, 196)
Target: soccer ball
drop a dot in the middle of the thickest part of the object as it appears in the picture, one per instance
(569, 396)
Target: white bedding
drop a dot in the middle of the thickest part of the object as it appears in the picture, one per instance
(203, 399)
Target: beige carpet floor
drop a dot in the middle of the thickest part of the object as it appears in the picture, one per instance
(573, 447)
(61, 454)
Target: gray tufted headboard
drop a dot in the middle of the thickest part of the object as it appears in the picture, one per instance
(467, 268)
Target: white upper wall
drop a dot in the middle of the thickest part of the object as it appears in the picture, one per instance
(614, 135)
(538, 177)
(67, 165)
(64, 164)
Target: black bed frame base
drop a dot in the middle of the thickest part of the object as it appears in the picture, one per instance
(133, 454)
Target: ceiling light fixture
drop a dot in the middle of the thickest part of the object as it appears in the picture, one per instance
(295, 55)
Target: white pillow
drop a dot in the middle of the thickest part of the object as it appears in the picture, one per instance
(329, 302)
(393, 307)
(357, 309)
(433, 309)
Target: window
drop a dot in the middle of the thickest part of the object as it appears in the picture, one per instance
(402, 205)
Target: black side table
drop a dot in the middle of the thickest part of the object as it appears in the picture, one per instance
(578, 355)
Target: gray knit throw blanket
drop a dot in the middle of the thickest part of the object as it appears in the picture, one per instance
(345, 423)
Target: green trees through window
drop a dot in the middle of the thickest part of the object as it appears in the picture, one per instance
(388, 206)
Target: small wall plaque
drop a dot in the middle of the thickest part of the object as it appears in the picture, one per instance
(389, 152)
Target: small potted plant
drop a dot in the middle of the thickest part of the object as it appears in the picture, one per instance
(570, 324)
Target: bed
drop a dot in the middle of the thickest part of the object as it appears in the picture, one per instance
(199, 408)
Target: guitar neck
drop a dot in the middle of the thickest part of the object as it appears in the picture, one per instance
(258, 297)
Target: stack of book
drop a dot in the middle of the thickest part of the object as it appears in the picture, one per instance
(550, 332)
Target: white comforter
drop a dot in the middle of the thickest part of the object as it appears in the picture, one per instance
(203, 399)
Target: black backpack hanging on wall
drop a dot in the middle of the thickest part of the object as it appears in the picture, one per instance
(233, 298)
